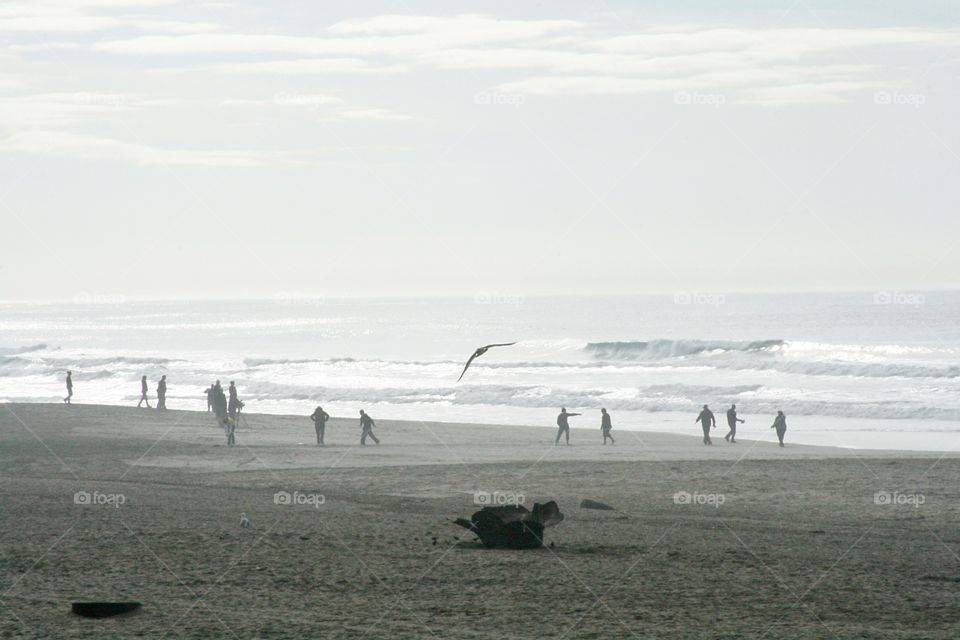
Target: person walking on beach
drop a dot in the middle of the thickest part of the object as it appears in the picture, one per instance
(143, 393)
(69, 388)
(235, 405)
(780, 424)
(209, 393)
(230, 428)
(605, 426)
(320, 418)
(366, 425)
(563, 427)
(708, 421)
(732, 421)
(219, 402)
(162, 393)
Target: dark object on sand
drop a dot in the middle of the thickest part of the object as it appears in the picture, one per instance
(103, 609)
(512, 526)
(593, 504)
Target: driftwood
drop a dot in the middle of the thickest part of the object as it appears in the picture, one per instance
(103, 609)
(593, 504)
(512, 526)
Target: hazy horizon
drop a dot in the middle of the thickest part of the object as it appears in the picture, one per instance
(166, 149)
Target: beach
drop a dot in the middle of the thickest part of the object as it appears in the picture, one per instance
(729, 541)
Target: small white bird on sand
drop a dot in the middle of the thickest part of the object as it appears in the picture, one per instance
(244, 521)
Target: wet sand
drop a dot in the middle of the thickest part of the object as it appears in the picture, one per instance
(729, 541)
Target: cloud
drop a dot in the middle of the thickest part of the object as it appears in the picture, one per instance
(565, 57)
(308, 66)
(89, 147)
(87, 16)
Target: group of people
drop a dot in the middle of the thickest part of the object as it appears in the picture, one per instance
(161, 393)
(320, 418)
(708, 421)
(226, 407)
(563, 426)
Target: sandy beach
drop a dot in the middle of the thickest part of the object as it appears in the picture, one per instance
(744, 541)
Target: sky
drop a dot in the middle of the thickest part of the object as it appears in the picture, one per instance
(190, 149)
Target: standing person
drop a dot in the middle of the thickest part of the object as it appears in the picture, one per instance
(230, 427)
(209, 393)
(732, 421)
(605, 426)
(234, 407)
(219, 402)
(67, 400)
(143, 393)
(366, 425)
(564, 426)
(162, 393)
(780, 424)
(708, 421)
(319, 418)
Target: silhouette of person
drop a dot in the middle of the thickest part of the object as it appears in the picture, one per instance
(209, 393)
(563, 425)
(320, 418)
(708, 421)
(230, 427)
(732, 421)
(69, 397)
(219, 402)
(234, 406)
(366, 424)
(780, 424)
(605, 426)
(162, 393)
(143, 393)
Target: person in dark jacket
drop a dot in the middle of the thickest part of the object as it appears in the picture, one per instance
(563, 427)
(320, 418)
(780, 424)
(605, 426)
(143, 393)
(707, 421)
(732, 421)
(162, 393)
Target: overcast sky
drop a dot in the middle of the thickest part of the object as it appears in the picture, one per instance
(159, 148)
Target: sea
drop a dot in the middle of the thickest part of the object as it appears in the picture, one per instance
(877, 369)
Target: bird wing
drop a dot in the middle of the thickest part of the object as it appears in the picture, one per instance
(502, 344)
(466, 366)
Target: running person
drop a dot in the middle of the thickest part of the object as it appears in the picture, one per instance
(708, 421)
(563, 425)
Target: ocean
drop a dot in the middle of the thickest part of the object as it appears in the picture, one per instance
(870, 369)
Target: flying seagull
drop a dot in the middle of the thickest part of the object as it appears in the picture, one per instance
(479, 352)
